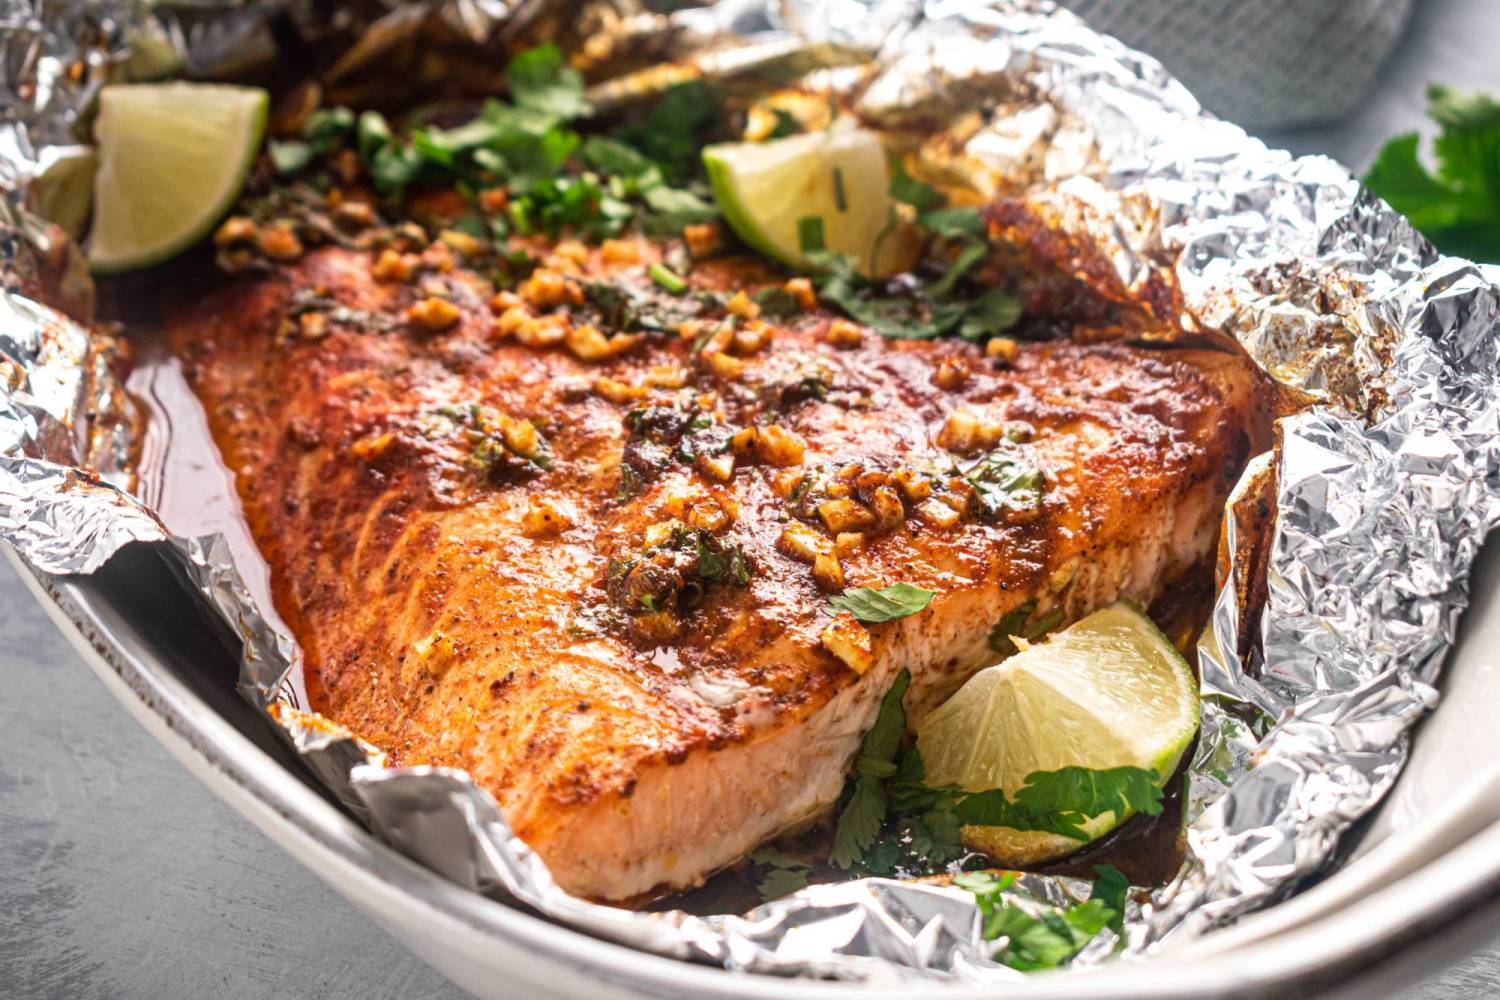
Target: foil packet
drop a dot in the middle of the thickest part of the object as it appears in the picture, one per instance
(1345, 550)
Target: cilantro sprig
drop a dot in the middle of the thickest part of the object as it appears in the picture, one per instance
(1041, 936)
(1458, 208)
(892, 819)
(865, 806)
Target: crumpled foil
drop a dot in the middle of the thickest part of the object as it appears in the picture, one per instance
(1345, 550)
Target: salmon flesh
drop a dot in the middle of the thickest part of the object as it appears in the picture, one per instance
(579, 539)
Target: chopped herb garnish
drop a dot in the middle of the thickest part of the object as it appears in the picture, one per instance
(667, 278)
(1039, 936)
(1018, 623)
(1047, 939)
(840, 199)
(658, 436)
(810, 234)
(776, 302)
(922, 311)
(786, 124)
(906, 188)
(1111, 888)
(886, 604)
(289, 157)
(674, 574)
(552, 179)
(1006, 484)
(909, 315)
(1063, 801)
(674, 131)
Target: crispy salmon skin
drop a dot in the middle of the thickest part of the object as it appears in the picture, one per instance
(579, 539)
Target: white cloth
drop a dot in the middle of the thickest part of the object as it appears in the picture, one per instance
(1261, 63)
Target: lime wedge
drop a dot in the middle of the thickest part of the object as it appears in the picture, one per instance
(838, 175)
(63, 188)
(1110, 691)
(172, 159)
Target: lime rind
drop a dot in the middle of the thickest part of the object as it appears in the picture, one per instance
(173, 159)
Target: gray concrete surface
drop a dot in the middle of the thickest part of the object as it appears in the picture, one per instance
(122, 877)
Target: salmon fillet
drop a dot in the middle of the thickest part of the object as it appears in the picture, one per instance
(594, 573)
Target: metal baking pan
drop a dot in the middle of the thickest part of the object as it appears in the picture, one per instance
(1421, 886)
(1388, 489)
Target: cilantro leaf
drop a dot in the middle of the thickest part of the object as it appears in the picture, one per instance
(677, 207)
(540, 81)
(992, 313)
(776, 302)
(1063, 801)
(672, 133)
(886, 604)
(1033, 942)
(780, 874)
(859, 824)
(971, 253)
(1459, 208)
(906, 188)
(778, 882)
(1016, 623)
(864, 812)
(327, 125)
(786, 124)
(952, 222)
(1111, 888)
(613, 157)
(1089, 792)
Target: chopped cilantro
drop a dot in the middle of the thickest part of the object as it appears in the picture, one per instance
(1006, 483)
(786, 124)
(667, 278)
(810, 234)
(553, 178)
(289, 157)
(906, 188)
(776, 302)
(1017, 622)
(326, 125)
(674, 574)
(1111, 888)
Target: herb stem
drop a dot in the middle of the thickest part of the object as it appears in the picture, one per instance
(667, 278)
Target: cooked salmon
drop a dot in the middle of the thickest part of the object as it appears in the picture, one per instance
(579, 539)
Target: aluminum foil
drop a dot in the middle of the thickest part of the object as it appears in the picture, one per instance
(1346, 549)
